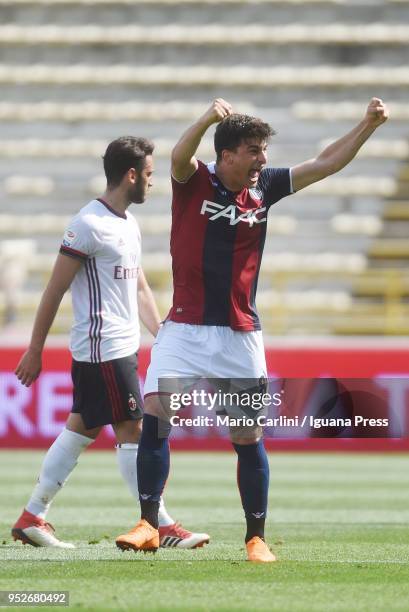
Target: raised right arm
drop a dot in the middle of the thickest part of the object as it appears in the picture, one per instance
(184, 162)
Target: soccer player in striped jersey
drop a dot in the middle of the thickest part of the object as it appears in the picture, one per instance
(100, 259)
(219, 219)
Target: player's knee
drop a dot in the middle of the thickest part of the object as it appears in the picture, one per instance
(251, 436)
(158, 406)
(76, 424)
(128, 432)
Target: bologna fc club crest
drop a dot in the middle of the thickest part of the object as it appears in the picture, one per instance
(132, 403)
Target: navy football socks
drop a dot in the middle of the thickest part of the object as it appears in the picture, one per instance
(153, 468)
(253, 478)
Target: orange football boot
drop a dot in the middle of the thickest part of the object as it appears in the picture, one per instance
(142, 537)
(258, 551)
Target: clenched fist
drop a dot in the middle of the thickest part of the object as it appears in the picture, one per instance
(217, 111)
(377, 112)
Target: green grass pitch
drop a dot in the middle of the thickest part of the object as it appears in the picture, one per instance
(339, 525)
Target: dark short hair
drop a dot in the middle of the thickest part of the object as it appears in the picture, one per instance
(124, 153)
(235, 129)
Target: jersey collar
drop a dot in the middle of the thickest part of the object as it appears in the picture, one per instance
(114, 212)
(216, 182)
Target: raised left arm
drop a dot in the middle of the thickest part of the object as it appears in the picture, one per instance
(338, 154)
(148, 311)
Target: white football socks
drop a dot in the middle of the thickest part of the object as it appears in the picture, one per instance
(60, 460)
(164, 518)
(126, 454)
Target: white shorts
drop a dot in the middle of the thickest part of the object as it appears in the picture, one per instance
(182, 350)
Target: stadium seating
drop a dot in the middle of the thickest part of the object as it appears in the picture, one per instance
(347, 110)
(237, 76)
(77, 73)
(214, 34)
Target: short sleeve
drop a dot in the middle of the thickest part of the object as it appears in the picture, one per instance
(79, 240)
(275, 184)
(188, 188)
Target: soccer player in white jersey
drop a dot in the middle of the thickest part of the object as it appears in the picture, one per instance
(100, 259)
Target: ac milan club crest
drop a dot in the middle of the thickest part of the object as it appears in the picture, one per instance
(132, 403)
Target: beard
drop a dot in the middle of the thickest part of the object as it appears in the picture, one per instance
(136, 194)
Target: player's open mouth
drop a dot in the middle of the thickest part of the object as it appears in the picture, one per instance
(254, 174)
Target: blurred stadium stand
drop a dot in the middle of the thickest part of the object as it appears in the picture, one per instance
(77, 73)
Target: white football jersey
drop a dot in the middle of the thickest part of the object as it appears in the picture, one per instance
(104, 291)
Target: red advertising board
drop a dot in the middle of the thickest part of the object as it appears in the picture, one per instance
(33, 417)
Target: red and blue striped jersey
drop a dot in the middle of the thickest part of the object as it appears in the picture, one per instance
(217, 242)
